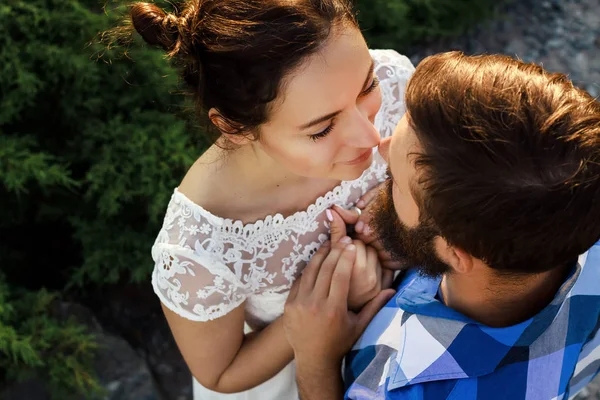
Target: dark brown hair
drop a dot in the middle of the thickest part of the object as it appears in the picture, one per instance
(234, 54)
(509, 166)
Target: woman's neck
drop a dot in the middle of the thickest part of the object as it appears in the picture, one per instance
(247, 184)
(263, 175)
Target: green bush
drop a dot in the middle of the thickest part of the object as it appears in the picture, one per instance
(92, 143)
(398, 24)
(34, 344)
(90, 149)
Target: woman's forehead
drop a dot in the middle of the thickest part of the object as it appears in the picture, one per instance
(328, 81)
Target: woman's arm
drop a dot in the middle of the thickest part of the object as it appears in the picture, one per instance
(225, 360)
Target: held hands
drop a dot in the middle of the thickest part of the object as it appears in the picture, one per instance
(317, 322)
(362, 228)
(368, 278)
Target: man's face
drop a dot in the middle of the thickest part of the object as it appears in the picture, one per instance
(396, 214)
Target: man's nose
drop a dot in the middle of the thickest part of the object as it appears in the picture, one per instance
(384, 148)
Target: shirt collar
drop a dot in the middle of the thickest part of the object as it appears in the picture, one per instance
(416, 296)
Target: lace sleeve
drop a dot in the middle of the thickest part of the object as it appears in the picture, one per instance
(393, 70)
(189, 279)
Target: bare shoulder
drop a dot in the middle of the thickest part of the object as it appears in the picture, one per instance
(207, 181)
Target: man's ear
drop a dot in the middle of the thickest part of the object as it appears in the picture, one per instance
(231, 134)
(459, 260)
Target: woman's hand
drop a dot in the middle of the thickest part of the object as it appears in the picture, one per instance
(362, 226)
(368, 278)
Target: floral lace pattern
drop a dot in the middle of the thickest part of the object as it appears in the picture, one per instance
(206, 266)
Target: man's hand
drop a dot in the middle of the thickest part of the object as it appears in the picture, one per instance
(317, 322)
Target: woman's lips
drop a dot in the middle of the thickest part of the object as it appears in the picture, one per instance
(362, 158)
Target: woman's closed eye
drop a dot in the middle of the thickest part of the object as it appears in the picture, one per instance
(371, 87)
(324, 132)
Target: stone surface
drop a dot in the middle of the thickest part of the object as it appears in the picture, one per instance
(134, 312)
(121, 371)
(562, 35)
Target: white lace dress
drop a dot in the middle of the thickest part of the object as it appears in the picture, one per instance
(206, 266)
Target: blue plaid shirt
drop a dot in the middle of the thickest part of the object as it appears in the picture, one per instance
(417, 348)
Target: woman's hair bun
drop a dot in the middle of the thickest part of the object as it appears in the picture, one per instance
(157, 27)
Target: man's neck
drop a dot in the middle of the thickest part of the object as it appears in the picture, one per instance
(497, 303)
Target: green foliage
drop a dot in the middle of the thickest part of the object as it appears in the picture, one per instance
(90, 150)
(92, 143)
(398, 24)
(88, 136)
(35, 344)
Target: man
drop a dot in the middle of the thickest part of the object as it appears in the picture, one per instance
(493, 190)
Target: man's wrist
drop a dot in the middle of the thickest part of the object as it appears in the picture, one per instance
(317, 363)
(319, 379)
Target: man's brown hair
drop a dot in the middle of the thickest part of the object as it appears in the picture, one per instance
(509, 166)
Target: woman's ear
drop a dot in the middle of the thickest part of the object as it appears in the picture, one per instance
(235, 137)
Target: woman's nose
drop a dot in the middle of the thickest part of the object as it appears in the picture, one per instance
(363, 133)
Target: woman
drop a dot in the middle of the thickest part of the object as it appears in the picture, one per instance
(296, 99)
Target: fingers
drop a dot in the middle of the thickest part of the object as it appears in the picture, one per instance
(372, 307)
(368, 197)
(294, 290)
(337, 226)
(387, 278)
(392, 265)
(360, 263)
(328, 267)
(311, 272)
(363, 228)
(374, 268)
(340, 281)
(348, 216)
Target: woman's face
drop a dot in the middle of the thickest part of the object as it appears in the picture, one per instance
(322, 126)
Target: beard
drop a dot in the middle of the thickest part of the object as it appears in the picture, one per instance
(412, 247)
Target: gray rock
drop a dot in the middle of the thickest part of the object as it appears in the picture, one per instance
(29, 390)
(555, 43)
(122, 373)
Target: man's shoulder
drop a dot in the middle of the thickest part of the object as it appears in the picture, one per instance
(417, 348)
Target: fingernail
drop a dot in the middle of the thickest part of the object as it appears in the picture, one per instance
(360, 204)
(329, 215)
(350, 247)
(359, 226)
(337, 206)
(346, 240)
